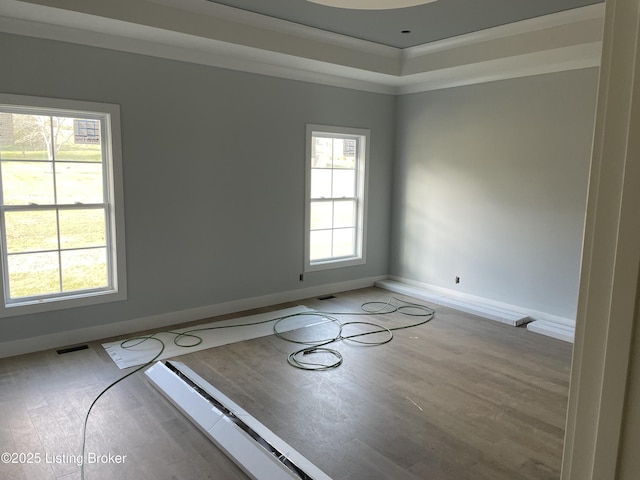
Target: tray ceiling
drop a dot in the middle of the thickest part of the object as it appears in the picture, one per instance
(425, 23)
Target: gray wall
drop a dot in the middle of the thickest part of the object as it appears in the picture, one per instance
(490, 180)
(213, 175)
(490, 185)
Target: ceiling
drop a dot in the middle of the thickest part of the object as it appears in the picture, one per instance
(425, 23)
(357, 49)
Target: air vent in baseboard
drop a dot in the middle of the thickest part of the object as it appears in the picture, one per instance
(255, 449)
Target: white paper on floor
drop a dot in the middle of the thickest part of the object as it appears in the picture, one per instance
(144, 352)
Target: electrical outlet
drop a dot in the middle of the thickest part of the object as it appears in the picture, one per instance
(457, 280)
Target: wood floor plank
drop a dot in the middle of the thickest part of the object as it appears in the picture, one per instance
(457, 398)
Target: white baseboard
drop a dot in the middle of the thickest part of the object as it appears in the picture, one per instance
(126, 327)
(551, 329)
(465, 303)
(540, 322)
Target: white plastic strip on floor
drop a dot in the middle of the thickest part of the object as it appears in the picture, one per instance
(260, 453)
(143, 353)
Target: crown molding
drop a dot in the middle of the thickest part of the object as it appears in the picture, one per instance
(560, 19)
(264, 22)
(148, 41)
(228, 56)
(371, 4)
(184, 30)
(536, 63)
(217, 25)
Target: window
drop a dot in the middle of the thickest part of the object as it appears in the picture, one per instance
(61, 222)
(336, 197)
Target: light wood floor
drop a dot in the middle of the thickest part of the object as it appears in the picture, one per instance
(458, 398)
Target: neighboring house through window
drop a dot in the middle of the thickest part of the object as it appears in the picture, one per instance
(335, 233)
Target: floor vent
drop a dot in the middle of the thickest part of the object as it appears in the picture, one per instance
(77, 348)
(326, 297)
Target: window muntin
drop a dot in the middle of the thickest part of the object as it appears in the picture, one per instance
(57, 205)
(336, 182)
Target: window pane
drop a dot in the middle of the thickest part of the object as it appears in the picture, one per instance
(33, 274)
(344, 183)
(25, 137)
(84, 269)
(25, 183)
(344, 153)
(321, 152)
(320, 183)
(31, 231)
(77, 139)
(79, 183)
(82, 228)
(320, 245)
(321, 215)
(344, 242)
(344, 214)
(62, 134)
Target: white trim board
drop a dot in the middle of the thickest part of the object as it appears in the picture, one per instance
(220, 422)
(536, 24)
(125, 327)
(536, 321)
(491, 312)
(215, 35)
(552, 329)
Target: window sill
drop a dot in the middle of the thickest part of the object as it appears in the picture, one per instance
(338, 263)
(47, 305)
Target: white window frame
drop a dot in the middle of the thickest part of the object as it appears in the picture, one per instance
(114, 199)
(362, 172)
